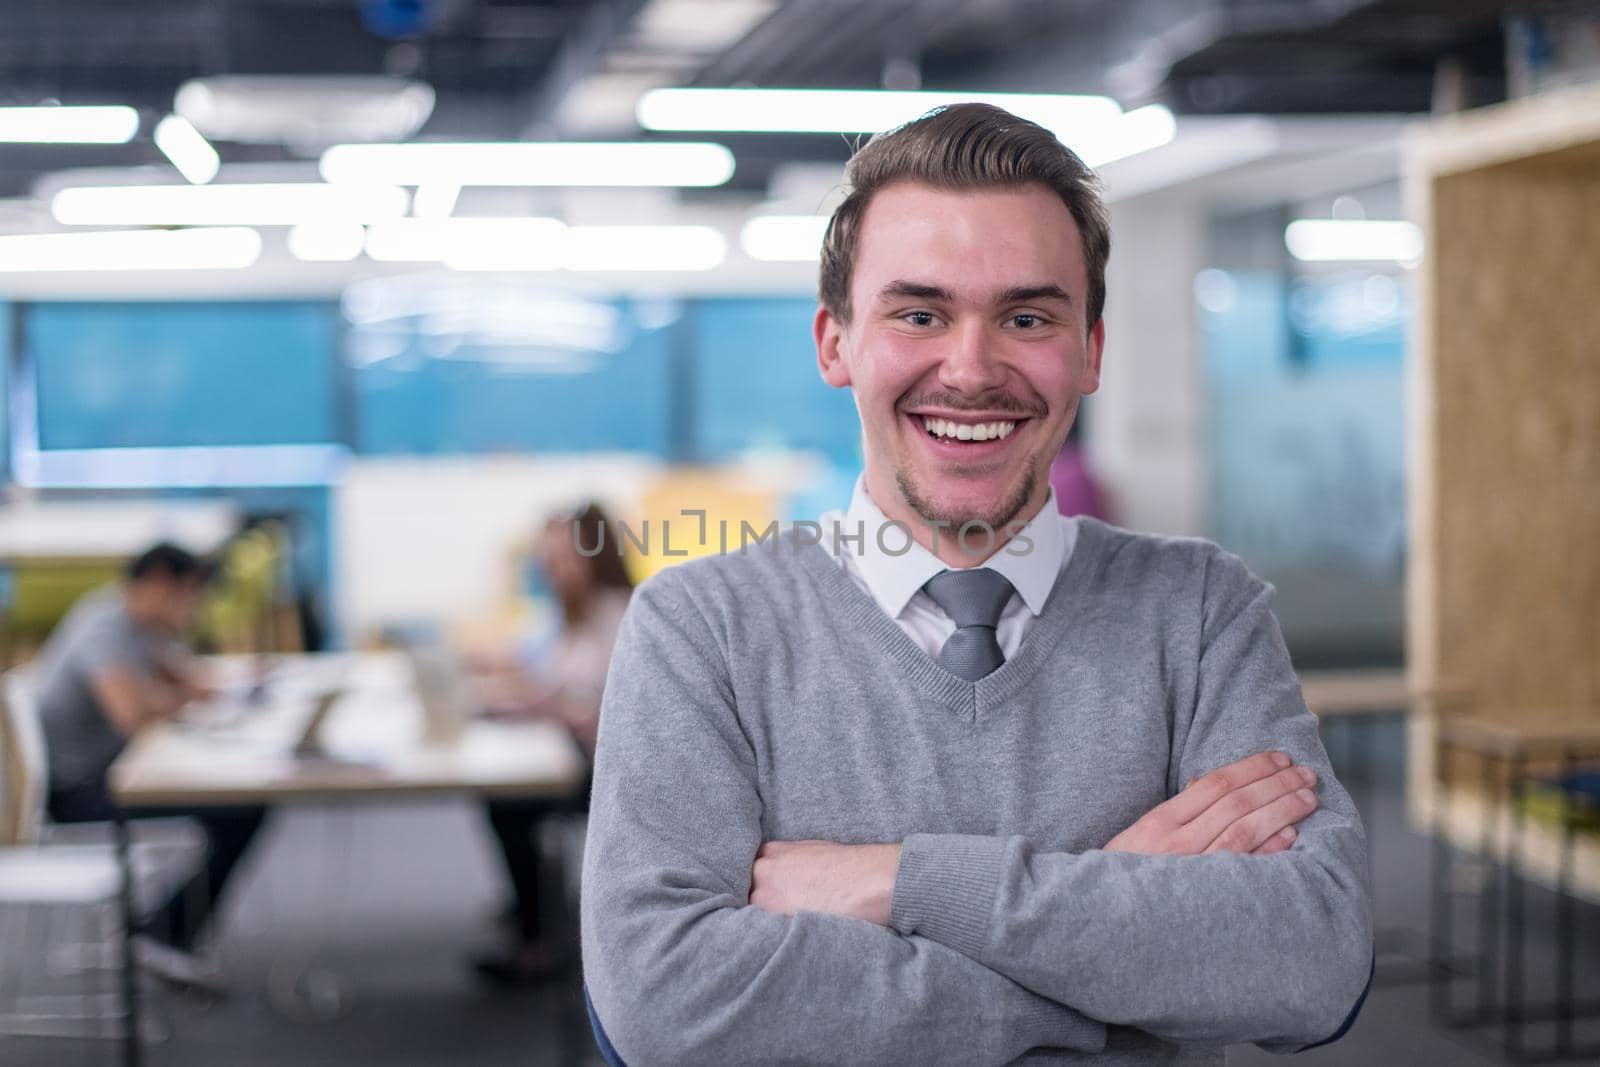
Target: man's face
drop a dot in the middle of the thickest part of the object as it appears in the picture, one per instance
(967, 348)
(177, 602)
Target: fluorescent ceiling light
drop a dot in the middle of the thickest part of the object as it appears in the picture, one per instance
(190, 152)
(308, 111)
(68, 125)
(1349, 240)
(435, 201)
(517, 163)
(604, 101)
(603, 248)
(699, 25)
(847, 110)
(1129, 134)
(227, 248)
(326, 242)
(440, 240)
(784, 238)
(644, 248)
(285, 204)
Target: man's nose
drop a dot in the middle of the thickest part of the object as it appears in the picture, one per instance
(970, 364)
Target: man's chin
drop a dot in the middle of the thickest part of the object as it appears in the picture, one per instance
(966, 501)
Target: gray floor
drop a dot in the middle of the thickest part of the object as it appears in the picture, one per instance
(383, 903)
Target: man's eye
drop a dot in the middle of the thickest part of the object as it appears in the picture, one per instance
(1026, 322)
(920, 318)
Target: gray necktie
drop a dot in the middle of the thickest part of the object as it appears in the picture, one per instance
(973, 599)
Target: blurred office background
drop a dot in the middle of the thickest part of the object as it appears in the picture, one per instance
(229, 319)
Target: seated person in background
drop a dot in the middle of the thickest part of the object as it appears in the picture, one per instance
(115, 664)
(563, 684)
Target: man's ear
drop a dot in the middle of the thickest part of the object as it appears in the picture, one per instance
(828, 333)
(1089, 381)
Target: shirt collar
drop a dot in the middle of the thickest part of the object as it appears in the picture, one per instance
(894, 579)
(1032, 573)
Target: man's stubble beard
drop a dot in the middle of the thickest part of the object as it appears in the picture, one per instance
(996, 520)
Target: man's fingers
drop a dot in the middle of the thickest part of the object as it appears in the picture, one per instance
(1241, 802)
(1206, 790)
(1281, 841)
(1252, 831)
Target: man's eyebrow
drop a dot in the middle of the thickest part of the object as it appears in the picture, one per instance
(1024, 294)
(915, 290)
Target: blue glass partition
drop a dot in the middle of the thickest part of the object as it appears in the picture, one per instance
(119, 375)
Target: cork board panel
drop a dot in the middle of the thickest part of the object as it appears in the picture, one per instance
(1513, 380)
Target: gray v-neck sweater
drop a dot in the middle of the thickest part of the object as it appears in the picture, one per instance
(764, 696)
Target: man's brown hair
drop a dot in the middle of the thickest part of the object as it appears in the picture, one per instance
(966, 146)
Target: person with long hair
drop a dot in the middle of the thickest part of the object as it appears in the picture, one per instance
(561, 681)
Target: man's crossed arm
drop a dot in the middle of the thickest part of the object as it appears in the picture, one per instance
(990, 947)
(1246, 807)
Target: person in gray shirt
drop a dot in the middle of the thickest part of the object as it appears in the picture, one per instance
(948, 778)
(113, 665)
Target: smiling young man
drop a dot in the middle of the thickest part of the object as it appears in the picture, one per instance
(968, 782)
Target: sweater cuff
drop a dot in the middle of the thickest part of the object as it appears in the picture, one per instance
(945, 889)
(1058, 1026)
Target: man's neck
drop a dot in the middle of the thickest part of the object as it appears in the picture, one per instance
(943, 540)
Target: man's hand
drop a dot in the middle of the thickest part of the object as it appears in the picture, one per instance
(197, 686)
(851, 880)
(1249, 806)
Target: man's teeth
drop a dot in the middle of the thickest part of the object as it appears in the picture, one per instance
(968, 431)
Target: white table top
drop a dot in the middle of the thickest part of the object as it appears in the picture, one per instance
(235, 753)
(1356, 692)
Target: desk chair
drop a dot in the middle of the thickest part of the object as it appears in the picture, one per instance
(68, 873)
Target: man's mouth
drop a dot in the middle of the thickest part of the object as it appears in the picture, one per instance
(948, 429)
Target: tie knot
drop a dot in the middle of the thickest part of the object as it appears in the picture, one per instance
(973, 597)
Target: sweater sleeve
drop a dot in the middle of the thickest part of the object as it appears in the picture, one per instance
(680, 967)
(1275, 950)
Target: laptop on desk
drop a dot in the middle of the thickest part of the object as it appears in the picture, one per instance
(309, 745)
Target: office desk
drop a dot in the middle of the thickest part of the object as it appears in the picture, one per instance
(1514, 756)
(374, 737)
(1355, 692)
(376, 747)
(1363, 700)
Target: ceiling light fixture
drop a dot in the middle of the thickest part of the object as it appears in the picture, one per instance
(707, 26)
(435, 201)
(279, 204)
(308, 111)
(326, 242)
(439, 240)
(848, 110)
(1127, 135)
(649, 248)
(784, 238)
(1353, 240)
(226, 248)
(661, 164)
(187, 149)
(68, 125)
(601, 248)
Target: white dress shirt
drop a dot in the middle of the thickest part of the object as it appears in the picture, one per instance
(895, 581)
